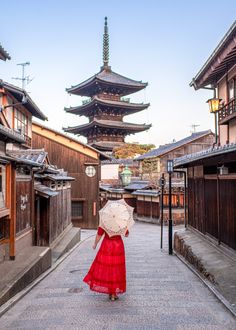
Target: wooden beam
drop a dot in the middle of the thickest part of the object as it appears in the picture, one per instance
(12, 189)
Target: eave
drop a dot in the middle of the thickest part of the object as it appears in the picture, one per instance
(106, 145)
(106, 80)
(117, 125)
(217, 156)
(10, 135)
(219, 63)
(128, 108)
(19, 94)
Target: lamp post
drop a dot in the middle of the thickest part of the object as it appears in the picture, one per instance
(170, 169)
(214, 105)
(126, 176)
(162, 183)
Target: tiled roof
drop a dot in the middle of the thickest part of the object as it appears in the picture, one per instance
(45, 191)
(9, 134)
(211, 152)
(125, 106)
(151, 193)
(19, 94)
(3, 54)
(171, 146)
(112, 189)
(222, 59)
(108, 124)
(58, 177)
(35, 157)
(137, 185)
(108, 77)
(121, 161)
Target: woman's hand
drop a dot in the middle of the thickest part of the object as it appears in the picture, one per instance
(94, 246)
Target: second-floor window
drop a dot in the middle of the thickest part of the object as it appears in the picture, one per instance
(232, 89)
(21, 122)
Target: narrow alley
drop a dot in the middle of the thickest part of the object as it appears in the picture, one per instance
(162, 293)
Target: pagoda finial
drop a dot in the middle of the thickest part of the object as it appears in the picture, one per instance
(105, 45)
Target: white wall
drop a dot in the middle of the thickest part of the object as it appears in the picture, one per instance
(110, 172)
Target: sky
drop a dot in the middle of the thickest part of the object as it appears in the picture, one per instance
(164, 43)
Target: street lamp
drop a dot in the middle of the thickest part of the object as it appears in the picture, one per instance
(170, 169)
(162, 183)
(126, 176)
(214, 105)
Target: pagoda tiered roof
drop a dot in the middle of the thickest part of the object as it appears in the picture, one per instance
(107, 81)
(106, 107)
(112, 124)
(88, 107)
(106, 145)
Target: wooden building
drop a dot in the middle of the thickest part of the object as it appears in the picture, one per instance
(147, 203)
(212, 173)
(43, 192)
(106, 106)
(16, 181)
(82, 162)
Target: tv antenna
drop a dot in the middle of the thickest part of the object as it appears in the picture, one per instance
(193, 126)
(25, 80)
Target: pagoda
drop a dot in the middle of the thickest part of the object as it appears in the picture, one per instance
(106, 105)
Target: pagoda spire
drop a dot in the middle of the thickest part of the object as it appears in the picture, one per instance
(105, 45)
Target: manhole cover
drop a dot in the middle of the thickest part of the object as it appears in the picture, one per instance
(75, 290)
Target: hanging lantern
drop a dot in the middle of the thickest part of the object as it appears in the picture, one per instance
(214, 104)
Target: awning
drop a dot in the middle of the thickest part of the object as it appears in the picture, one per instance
(45, 191)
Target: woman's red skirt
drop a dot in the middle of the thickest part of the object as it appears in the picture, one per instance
(107, 273)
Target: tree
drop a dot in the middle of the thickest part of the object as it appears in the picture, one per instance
(132, 150)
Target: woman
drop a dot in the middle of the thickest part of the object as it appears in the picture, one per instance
(107, 273)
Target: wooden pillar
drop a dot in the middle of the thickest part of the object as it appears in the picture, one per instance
(32, 206)
(12, 189)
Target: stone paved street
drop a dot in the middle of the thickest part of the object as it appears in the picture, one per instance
(162, 293)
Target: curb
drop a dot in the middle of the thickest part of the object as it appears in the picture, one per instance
(209, 285)
(12, 301)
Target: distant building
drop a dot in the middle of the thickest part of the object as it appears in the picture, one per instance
(158, 157)
(154, 163)
(106, 106)
(111, 169)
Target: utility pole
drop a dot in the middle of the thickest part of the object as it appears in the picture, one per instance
(25, 80)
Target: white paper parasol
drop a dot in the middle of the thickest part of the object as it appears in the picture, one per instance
(116, 217)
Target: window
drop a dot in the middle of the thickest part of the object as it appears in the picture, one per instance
(231, 89)
(20, 122)
(2, 186)
(76, 209)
